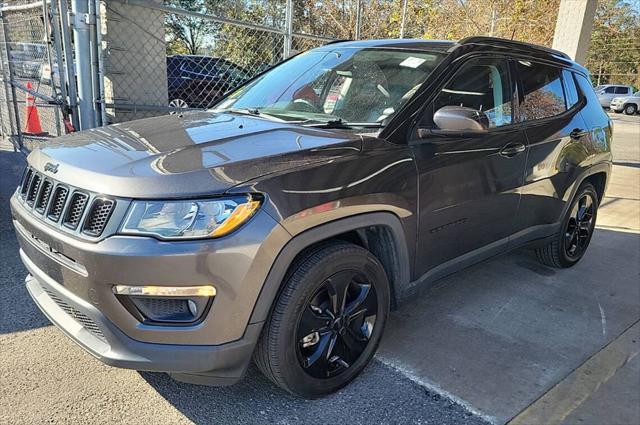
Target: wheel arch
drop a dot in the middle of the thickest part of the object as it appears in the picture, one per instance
(380, 232)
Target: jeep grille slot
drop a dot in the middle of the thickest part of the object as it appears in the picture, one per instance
(43, 199)
(70, 209)
(26, 180)
(33, 189)
(75, 209)
(57, 204)
(98, 216)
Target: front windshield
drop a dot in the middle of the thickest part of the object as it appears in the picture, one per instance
(341, 84)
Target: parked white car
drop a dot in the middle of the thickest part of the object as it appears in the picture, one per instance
(627, 104)
(606, 93)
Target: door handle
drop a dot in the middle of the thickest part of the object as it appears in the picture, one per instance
(512, 149)
(577, 133)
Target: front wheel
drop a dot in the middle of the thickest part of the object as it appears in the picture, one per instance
(327, 322)
(630, 109)
(568, 247)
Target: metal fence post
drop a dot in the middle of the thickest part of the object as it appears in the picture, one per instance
(14, 97)
(83, 57)
(68, 60)
(358, 18)
(54, 91)
(5, 77)
(57, 47)
(288, 24)
(404, 17)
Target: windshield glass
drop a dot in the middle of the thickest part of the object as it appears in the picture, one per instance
(350, 85)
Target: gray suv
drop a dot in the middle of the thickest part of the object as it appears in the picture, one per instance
(285, 223)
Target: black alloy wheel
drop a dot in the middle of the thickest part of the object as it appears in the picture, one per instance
(579, 227)
(569, 245)
(327, 320)
(336, 325)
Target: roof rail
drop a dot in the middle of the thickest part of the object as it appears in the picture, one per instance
(495, 41)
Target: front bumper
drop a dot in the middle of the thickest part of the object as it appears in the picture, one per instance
(82, 322)
(615, 106)
(72, 282)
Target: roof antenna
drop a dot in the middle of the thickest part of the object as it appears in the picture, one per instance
(513, 33)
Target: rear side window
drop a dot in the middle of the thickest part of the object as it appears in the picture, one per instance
(593, 104)
(622, 90)
(542, 94)
(570, 88)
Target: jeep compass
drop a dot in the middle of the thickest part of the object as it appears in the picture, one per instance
(283, 224)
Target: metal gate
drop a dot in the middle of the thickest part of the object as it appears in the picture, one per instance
(32, 87)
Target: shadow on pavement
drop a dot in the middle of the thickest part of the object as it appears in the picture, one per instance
(17, 311)
(379, 395)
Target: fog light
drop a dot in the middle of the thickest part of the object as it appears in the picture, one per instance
(168, 305)
(166, 291)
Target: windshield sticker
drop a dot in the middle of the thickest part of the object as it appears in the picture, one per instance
(412, 62)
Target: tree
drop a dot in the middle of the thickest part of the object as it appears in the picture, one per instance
(187, 34)
(614, 54)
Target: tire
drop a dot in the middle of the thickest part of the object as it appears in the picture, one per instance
(304, 307)
(630, 109)
(570, 245)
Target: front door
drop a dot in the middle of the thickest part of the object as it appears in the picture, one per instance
(469, 184)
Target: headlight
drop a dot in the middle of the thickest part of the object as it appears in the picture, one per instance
(206, 218)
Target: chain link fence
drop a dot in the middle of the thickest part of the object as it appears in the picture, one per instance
(29, 94)
(161, 57)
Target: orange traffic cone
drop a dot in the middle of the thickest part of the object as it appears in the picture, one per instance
(32, 126)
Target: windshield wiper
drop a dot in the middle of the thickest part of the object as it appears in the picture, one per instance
(342, 124)
(255, 112)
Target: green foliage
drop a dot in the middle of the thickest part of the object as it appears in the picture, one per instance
(614, 54)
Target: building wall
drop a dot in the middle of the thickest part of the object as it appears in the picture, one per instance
(132, 36)
(573, 28)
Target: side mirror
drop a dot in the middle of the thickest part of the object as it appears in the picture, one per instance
(460, 119)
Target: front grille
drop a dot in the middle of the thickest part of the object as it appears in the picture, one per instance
(43, 199)
(33, 189)
(77, 315)
(75, 209)
(57, 205)
(98, 216)
(64, 205)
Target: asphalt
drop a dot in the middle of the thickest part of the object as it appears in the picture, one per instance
(505, 340)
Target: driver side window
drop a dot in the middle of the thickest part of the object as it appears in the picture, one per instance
(483, 85)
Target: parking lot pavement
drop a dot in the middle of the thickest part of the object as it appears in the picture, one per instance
(500, 335)
(508, 338)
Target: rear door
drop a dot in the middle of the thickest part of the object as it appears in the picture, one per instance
(469, 184)
(550, 112)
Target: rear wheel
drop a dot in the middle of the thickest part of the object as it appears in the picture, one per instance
(630, 109)
(327, 322)
(577, 228)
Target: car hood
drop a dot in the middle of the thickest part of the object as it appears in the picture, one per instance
(193, 154)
